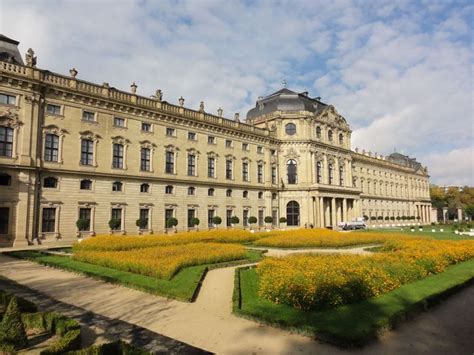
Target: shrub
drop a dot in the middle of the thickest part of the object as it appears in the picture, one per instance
(115, 223)
(252, 219)
(282, 220)
(116, 347)
(373, 218)
(195, 221)
(12, 329)
(33, 321)
(216, 220)
(268, 219)
(234, 220)
(141, 223)
(23, 305)
(69, 341)
(171, 222)
(387, 218)
(7, 349)
(83, 224)
(392, 218)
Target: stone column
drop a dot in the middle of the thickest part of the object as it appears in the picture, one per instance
(459, 214)
(333, 213)
(344, 210)
(321, 212)
(445, 214)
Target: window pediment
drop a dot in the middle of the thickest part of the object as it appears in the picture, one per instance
(147, 144)
(9, 118)
(53, 129)
(120, 140)
(89, 135)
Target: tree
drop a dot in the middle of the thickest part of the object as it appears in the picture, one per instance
(469, 210)
(83, 224)
(12, 329)
(268, 219)
(141, 223)
(282, 220)
(115, 223)
(252, 219)
(195, 221)
(234, 220)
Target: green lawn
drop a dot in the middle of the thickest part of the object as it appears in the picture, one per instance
(183, 286)
(447, 234)
(355, 324)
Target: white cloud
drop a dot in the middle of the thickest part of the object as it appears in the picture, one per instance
(452, 168)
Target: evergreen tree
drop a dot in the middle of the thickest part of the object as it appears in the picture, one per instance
(12, 329)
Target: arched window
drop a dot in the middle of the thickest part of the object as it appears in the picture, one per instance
(274, 196)
(191, 190)
(341, 139)
(341, 175)
(293, 213)
(169, 189)
(228, 193)
(145, 187)
(290, 129)
(319, 172)
(260, 194)
(331, 173)
(245, 194)
(292, 172)
(210, 192)
(117, 186)
(86, 184)
(330, 135)
(50, 182)
(318, 132)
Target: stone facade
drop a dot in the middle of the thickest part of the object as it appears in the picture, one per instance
(71, 150)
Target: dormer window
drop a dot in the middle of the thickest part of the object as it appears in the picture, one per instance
(330, 136)
(341, 139)
(290, 129)
(318, 132)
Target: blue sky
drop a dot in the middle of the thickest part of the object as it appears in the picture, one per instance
(401, 72)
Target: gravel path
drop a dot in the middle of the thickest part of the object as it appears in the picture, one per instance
(209, 324)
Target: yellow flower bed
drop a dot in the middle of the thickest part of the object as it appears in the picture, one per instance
(163, 262)
(316, 238)
(114, 242)
(325, 281)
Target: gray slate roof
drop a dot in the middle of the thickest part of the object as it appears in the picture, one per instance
(285, 100)
(9, 50)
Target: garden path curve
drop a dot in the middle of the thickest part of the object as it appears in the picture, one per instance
(209, 324)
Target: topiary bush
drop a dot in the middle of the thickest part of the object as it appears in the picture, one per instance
(141, 223)
(171, 222)
(252, 219)
(115, 223)
(83, 224)
(69, 341)
(268, 219)
(234, 220)
(12, 329)
(24, 305)
(282, 220)
(195, 221)
(216, 220)
(33, 321)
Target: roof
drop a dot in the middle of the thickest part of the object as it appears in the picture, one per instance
(285, 100)
(9, 50)
(404, 160)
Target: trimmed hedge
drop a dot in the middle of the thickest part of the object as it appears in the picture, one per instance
(115, 348)
(69, 341)
(23, 305)
(34, 321)
(12, 329)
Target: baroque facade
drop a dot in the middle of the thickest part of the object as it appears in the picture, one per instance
(71, 150)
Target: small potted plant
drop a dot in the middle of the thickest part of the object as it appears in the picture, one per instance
(216, 220)
(282, 222)
(195, 223)
(268, 220)
(252, 221)
(171, 223)
(115, 225)
(141, 223)
(234, 220)
(83, 225)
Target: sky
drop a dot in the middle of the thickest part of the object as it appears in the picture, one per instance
(400, 72)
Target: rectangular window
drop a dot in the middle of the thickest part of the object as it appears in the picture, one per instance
(245, 218)
(274, 175)
(211, 167)
(211, 140)
(169, 168)
(169, 213)
(53, 109)
(4, 217)
(260, 173)
(145, 159)
(85, 215)
(7, 99)
(260, 149)
(48, 222)
(245, 146)
(245, 171)
(228, 169)
(6, 141)
(228, 143)
(191, 165)
(210, 217)
(192, 136)
(146, 127)
(170, 131)
(191, 215)
(144, 215)
(274, 217)
(87, 152)
(51, 147)
(273, 152)
(117, 161)
(88, 116)
(119, 122)
(260, 217)
(117, 215)
(228, 217)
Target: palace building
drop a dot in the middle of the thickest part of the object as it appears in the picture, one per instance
(72, 150)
